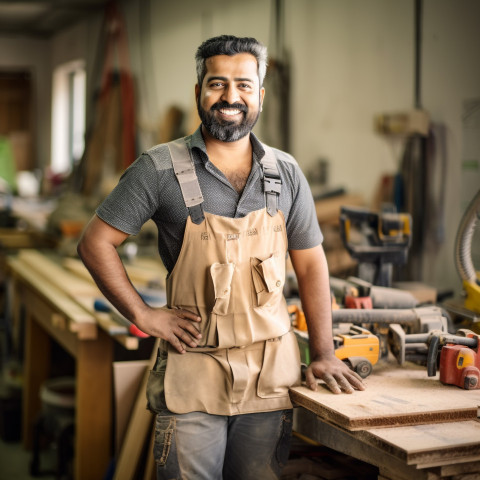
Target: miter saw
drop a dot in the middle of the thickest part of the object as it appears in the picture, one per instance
(383, 240)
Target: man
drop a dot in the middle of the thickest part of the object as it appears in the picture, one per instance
(228, 208)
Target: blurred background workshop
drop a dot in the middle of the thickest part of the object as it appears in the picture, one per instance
(379, 102)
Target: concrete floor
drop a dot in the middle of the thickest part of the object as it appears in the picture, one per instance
(14, 459)
(15, 462)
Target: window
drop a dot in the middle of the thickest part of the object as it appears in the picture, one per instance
(68, 115)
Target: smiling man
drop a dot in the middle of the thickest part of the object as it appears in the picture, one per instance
(232, 100)
(228, 210)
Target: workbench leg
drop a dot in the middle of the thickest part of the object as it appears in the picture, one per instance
(93, 424)
(15, 308)
(36, 369)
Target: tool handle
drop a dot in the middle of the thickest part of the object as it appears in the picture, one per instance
(471, 342)
(432, 355)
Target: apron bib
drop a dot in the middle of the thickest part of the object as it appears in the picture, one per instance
(230, 272)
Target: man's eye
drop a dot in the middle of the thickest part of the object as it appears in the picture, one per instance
(245, 86)
(216, 85)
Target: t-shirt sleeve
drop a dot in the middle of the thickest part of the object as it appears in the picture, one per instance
(303, 229)
(134, 199)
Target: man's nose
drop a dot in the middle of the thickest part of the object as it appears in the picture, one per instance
(230, 94)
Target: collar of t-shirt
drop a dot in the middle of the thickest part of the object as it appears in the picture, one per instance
(196, 143)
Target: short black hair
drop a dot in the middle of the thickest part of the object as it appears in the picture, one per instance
(230, 45)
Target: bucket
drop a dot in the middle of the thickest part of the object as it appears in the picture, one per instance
(58, 396)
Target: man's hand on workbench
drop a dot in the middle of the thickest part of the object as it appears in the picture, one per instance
(175, 325)
(337, 376)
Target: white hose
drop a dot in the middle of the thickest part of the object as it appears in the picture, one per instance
(463, 241)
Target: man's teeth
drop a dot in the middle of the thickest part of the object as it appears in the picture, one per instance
(229, 111)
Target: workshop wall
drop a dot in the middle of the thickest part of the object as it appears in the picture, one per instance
(450, 78)
(163, 37)
(33, 56)
(349, 61)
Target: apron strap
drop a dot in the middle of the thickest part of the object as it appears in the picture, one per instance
(272, 183)
(187, 178)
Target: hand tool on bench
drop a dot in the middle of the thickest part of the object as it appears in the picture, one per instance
(405, 347)
(379, 297)
(418, 320)
(377, 320)
(459, 362)
(459, 358)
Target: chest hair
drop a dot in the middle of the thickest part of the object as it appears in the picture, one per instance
(238, 179)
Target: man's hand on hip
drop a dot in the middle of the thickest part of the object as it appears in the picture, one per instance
(175, 325)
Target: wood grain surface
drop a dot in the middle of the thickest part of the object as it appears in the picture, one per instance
(394, 396)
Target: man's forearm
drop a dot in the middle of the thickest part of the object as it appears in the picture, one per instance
(102, 260)
(314, 287)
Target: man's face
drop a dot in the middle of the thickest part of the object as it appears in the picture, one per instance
(230, 98)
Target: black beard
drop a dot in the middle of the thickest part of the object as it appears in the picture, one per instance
(223, 130)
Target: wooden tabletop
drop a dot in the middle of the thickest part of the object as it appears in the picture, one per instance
(394, 396)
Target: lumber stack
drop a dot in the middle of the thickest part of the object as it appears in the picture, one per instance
(407, 424)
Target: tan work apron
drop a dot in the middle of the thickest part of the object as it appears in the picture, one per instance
(231, 273)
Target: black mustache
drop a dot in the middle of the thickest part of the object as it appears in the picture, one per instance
(220, 105)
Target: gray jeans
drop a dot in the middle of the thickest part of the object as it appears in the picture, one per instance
(199, 446)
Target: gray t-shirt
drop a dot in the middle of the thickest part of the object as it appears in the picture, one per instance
(149, 189)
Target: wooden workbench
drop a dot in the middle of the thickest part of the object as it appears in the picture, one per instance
(51, 315)
(57, 305)
(407, 424)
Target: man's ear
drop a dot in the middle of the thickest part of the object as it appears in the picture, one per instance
(197, 91)
(262, 96)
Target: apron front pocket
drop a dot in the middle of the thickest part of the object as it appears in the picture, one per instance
(280, 368)
(268, 279)
(222, 274)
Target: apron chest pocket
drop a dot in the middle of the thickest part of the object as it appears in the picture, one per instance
(268, 279)
(222, 274)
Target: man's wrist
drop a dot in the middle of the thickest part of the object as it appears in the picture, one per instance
(318, 356)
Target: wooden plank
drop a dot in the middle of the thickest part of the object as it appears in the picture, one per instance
(395, 396)
(390, 454)
(351, 443)
(78, 320)
(65, 287)
(53, 323)
(460, 468)
(429, 445)
(108, 324)
(56, 274)
(10, 238)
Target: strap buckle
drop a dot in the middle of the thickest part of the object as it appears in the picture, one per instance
(273, 183)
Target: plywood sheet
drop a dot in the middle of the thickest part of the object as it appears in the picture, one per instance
(394, 396)
(434, 444)
(127, 378)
